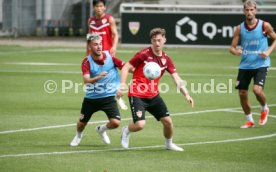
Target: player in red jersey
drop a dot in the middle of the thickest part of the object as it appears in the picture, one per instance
(143, 93)
(104, 24)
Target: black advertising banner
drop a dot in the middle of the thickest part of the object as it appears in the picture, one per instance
(184, 29)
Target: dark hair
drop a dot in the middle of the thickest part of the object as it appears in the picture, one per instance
(95, 2)
(156, 31)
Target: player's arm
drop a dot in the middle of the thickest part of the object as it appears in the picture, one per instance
(181, 85)
(86, 73)
(124, 73)
(234, 45)
(88, 25)
(115, 35)
(270, 32)
(88, 80)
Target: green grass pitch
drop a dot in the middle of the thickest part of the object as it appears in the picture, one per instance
(36, 127)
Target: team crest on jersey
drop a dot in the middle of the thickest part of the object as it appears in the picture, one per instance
(104, 21)
(164, 61)
(139, 113)
(134, 27)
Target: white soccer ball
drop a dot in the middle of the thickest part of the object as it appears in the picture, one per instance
(152, 70)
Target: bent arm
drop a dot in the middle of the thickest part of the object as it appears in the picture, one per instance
(234, 49)
(88, 80)
(270, 32)
(115, 35)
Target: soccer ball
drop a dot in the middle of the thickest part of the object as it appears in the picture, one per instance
(152, 70)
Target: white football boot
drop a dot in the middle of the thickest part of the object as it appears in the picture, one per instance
(103, 135)
(125, 138)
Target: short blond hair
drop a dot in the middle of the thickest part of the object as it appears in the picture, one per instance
(93, 36)
(156, 31)
(249, 3)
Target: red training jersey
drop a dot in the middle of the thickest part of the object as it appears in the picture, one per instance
(140, 85)
(86, 65)
(103, 28)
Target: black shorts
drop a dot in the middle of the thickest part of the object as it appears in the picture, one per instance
(245, 76)
(107, 104)
(154, 106)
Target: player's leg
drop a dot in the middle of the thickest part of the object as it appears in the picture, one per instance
(258, 89)
(168, 134)
(109, 106)
(86, 113)
(159, 110)
(243, 81)
(137, 107)
(77, 139)
(244, 101)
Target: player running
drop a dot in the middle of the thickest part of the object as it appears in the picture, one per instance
(255, 60)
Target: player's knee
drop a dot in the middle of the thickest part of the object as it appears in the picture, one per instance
(243, 93)
(257, 90)
(115, 123)
(139, 125)
(167, 123)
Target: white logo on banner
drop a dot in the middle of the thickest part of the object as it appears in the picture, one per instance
(187, 22)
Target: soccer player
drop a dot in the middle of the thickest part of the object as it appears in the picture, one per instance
(255, 60)
(143, 93)
(105, 25)
(102, 80)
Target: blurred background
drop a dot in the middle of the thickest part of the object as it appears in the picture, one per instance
(188, 22)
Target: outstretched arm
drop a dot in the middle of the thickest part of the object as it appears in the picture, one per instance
(124, 73)
(181, 85)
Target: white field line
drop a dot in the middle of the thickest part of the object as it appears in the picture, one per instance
(254, 113)
(40, 64)
(126, 119)
(43, 51)
(42, 72)
(60, 50)
(79, 72)
(138, 148)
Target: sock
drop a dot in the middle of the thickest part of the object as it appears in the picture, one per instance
(249, 117)
(103, 128)
(168, 141)
(127, 130)
(263, 108)
(79, 134)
